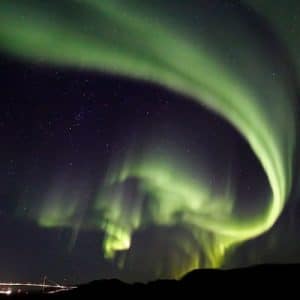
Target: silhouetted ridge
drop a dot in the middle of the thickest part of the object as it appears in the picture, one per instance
(246, 281)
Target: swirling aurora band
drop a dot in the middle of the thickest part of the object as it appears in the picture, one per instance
(217, 57)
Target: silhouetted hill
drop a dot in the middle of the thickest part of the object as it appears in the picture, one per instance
(251, 281)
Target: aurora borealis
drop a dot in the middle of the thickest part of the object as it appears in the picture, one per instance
(219, 60)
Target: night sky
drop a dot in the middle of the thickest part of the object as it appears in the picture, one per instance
(142, 141)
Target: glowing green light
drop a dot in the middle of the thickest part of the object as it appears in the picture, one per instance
(226, 68)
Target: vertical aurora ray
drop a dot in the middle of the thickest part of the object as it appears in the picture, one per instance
(219, 55)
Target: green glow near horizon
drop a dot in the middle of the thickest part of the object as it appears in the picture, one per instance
(165, 44)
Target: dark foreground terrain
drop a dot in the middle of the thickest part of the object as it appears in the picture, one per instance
(281, 280)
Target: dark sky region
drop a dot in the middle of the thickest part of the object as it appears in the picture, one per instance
(105, 175)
